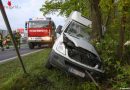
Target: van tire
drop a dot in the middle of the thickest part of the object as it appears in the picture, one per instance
(31, 46)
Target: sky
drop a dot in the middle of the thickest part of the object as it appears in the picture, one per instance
(23, 10)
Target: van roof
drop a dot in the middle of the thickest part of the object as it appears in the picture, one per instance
(75, 15)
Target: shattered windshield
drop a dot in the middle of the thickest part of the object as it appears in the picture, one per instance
(38, 24)
(78, 30)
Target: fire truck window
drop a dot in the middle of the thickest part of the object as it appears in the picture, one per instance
(38, 24)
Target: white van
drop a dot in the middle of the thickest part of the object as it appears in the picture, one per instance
(72, 51)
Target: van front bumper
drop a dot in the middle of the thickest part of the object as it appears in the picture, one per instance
(67, 65)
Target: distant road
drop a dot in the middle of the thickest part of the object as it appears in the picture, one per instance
(11, 53)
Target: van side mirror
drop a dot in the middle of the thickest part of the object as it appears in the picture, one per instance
(58, 29)
(26, 25)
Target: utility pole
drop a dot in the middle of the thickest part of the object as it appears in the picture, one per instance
(11, 34)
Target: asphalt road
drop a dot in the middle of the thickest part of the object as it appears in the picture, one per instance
(10, 53)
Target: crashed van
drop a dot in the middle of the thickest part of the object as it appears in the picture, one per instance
(72, 51)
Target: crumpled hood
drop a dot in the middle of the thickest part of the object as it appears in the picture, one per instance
(83, 43)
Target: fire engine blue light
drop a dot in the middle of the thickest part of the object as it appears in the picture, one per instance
(30, 19)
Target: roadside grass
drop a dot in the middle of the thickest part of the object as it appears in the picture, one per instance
(38, 77)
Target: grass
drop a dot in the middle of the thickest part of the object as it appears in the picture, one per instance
(10, 70)
(38, 77)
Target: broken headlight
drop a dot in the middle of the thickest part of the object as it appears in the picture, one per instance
(61, 48)
(65, 44)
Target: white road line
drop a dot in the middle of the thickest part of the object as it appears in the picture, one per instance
(21, 55)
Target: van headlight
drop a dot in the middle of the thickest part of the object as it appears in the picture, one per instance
(61, 47)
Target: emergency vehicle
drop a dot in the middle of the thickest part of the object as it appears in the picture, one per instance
(40, 31)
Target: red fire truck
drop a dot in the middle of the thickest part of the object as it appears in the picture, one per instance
(40, 31)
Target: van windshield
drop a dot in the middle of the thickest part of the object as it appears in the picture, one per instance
(38, 24)
(78, 30)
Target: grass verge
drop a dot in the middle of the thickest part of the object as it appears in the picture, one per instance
(38, 77)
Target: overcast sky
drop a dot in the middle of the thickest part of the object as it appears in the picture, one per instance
(23, 10)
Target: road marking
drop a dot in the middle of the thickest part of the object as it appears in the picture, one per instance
(10, 59)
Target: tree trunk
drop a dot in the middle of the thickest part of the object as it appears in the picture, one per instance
(96, 19)
(122, 37)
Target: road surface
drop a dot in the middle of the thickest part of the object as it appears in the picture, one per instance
(11, 53)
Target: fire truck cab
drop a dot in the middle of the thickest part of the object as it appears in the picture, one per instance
(40, 31)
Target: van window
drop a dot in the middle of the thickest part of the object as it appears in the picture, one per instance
(78, 30)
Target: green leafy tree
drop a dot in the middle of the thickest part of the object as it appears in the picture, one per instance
(64, 7)
(88, 8)
(124, 8)
(103, 13)
(116, 10)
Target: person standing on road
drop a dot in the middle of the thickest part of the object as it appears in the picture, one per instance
(1, 42)
(7, 41)
(17, 37)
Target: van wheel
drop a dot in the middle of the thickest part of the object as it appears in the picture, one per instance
(31, 46)
(39, 45)
(48, 65)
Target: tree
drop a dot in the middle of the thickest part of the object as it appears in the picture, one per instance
(124, 6)
(65, 7)
(96, 19)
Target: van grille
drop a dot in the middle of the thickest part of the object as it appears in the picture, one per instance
(83, 56)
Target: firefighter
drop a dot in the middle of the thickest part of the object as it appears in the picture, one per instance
(1, 42)
(17, 37)
(7, 41)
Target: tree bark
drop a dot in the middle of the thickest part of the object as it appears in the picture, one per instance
(96, 19)
(122, 37)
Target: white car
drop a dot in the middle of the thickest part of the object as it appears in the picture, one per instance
(72, 51)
